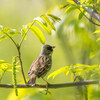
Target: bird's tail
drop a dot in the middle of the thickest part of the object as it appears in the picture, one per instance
(32, 80)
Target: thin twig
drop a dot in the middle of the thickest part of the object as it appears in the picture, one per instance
(90, 19)
(25, 34)
(11, 39)
(96, 15)
(21, 64)
(52, 86)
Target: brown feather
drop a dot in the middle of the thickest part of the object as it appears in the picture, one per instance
(40, 66)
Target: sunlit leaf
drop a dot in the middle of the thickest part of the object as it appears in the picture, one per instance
(48, 21)
(38, 33)
(70, 9)
(63, 6)
(24, 30)
(97, 31)
(10, 70)
(70, 1)
(12, 32)
(98, 39)
(2, 61)
(6, 29)
(82, 65)
(61, 70)
(82, 1)
(41, 23)
(54, 17)
(81, 15)
(2, 37)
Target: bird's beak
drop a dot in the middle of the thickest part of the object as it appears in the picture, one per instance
(53, 47)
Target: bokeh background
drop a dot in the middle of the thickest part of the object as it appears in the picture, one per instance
(74, 41)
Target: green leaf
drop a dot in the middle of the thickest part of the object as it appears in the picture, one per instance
(1, 32)
(81, 14)
(12, 32)
(97, 31)
(70, 2)
(54, 17)
(41, 23)
(38, 33)
(24, 30)
(48, 21)
(98, 39)
(70, 8)
(63, 6)
(2, 37)
(2, 61)
(6, 29)
(81, 65)
(55, 73)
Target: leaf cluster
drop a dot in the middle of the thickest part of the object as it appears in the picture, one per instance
(86, 71)
(6, 67)
(45, 21)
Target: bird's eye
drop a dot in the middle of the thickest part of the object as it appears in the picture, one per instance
(49, 48)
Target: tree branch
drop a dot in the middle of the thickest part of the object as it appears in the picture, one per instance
(25, 34)
(93, 13)
(52, 86)
(19, 55)
(21, 64)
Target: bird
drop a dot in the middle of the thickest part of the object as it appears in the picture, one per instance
(41, 65)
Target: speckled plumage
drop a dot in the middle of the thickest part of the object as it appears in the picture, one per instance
(41, 65)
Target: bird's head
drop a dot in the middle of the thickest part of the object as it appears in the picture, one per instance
(47, 50)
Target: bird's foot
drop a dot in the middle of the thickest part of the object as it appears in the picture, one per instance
(47, 87)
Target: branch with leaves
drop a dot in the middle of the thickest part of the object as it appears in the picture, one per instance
(84, 7)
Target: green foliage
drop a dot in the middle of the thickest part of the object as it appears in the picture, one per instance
(81, 14)
(44, 21)
(48, 21)
(8, 31)
(38, 33)
(5, 67)
(14, 64)
(43, 25)
(79, 69)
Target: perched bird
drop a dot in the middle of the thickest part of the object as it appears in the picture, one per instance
(41, 65)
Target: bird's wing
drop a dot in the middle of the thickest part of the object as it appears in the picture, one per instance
(31, 67)
(38, 65)
(45, 66)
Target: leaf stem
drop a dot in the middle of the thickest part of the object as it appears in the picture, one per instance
(20, 60)
(25, 34)
(11, 40)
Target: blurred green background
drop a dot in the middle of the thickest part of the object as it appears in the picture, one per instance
(74, 41)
